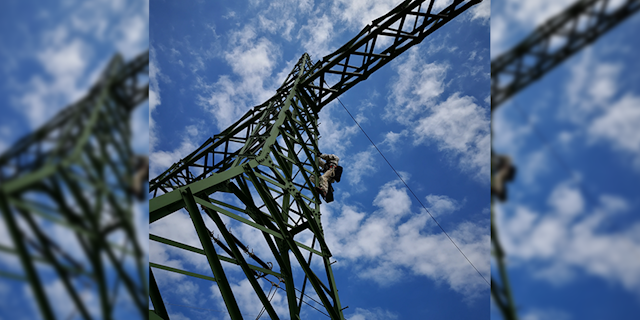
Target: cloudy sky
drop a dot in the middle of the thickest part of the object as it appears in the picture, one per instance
(570, 227)
(52, 52)
(428, 111)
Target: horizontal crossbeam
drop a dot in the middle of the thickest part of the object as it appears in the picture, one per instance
(552, 43)
(376, 45)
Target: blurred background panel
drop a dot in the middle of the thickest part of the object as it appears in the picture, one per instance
(569, 225)
(73, 146)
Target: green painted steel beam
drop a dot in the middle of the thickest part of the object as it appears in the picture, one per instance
(25, 259)
(360, 57)
(154, 316)
(164, 205)
(245, 267)
(74, 172)
(253, 224)
(288, 239)
(212, 257)
(200, 251)
(576, 27)
(180, 271)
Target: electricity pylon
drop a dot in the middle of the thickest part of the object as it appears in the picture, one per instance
(74, 174)
(549, 45)
(262, 167)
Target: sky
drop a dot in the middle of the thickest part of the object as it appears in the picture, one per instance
(52, 52)
(427, 111)
(570, 225)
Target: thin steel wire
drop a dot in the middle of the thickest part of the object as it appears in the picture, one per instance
(414, 195)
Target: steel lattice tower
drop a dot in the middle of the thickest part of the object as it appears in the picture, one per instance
(264, 162)
(554, 41)
(75, 173)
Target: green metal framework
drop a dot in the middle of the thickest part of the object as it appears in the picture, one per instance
(258, 173)
(376, 45)
(549, 45)
(552, 43)
(74, 174)
(268, 173)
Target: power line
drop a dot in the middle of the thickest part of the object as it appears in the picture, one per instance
(307, 302)
(414, 195)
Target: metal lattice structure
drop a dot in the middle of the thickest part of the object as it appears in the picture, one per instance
(262, 167)
(73, 175)
(552, 43)
(549, 45)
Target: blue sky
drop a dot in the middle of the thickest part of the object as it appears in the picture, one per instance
(570, 227)
(52, 52)
(428, 111)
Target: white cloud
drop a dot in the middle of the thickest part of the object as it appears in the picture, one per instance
(442, 204)
(594, 102)
(248, 300)
(393, 200)
(360, 13)
(392, 139)
(359, 165)
(66, 64)
(252, 59)
(499, 33)
(481, 11)
(618, 126)
(177, 227)
(393, 241)
(133, 35)
(591, 87)
(416, 88)
(568, 237)
(69, 59)
(155, 100)
(566, 201)
(460, 127)
(317, 34)
(60, 301)
(531, 166)
(186, 290)
(542, 314)
(335, 137)
(375, 314)
(160, 160)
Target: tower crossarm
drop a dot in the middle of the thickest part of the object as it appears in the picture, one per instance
(553, 42)
(35, 156)
(239, 143)
(376, 45)
(131, 84)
